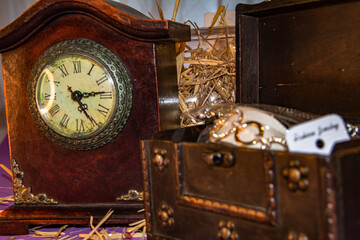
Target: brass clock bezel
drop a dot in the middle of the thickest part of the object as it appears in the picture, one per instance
(122, 83)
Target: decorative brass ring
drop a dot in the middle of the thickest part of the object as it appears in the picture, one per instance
(258, 136)
(277, 140)
(218, 124)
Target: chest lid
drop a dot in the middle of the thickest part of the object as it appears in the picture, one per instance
(300, 54)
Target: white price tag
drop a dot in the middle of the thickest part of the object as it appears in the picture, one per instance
(317, 136)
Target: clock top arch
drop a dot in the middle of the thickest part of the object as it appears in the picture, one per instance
(119, 17)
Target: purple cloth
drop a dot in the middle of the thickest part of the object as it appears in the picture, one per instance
(69, 231)
(4, 152)
(5, 178)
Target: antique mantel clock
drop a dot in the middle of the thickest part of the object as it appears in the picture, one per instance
(85, 81)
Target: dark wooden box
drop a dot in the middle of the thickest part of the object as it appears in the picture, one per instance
(263, 195)
(302, 54)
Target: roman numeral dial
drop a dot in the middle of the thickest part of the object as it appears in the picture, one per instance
(78, 96)
(83, 94)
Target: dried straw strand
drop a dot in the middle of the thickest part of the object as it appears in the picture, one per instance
(6, 169)
(161, 13)
(60, 231)
(6, 200)
(219, 12)
(208, 72)
(95, 229)
(105, 218)
(151, 16)
(176, 8)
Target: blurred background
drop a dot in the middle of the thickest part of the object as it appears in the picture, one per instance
(194, 10)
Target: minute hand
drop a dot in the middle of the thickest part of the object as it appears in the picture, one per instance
(82, 108)
(91, 94)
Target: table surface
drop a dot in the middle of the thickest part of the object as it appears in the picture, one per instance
(6, 190)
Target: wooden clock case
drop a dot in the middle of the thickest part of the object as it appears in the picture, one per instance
(80, 184)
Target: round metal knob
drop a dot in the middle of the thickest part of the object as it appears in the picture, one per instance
(159, 160)
(224, 159)
(294, 175)
(297, 175)
(226, 231)
(165, 215)
(292, 235)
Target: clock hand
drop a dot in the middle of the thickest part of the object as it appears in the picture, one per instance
(77, 96)
(82, 109)
(91, 94)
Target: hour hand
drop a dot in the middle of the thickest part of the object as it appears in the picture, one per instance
(91, 94)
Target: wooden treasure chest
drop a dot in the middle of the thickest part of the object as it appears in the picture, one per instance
(298, 54)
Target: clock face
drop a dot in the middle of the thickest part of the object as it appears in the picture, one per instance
(76, 96)
(80, 94)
